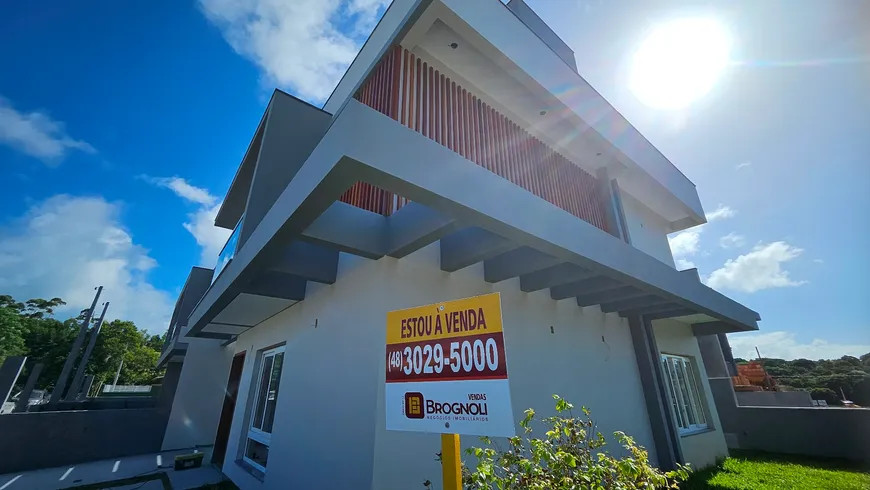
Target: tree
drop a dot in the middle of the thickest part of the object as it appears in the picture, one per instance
(120, 339)
(826, 394)
(571, 456)
(11, 334)
(29, 328)
(826, 378)
(48, 341)
(38, 308)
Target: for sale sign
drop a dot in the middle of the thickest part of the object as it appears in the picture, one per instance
(446, 369)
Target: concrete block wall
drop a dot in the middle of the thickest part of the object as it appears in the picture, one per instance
(43, 440)
(807, 431)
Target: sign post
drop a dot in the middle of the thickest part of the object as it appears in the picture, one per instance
(446, 373)
(451, 462)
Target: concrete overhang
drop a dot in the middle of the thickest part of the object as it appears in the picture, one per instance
(195, 286)
(365, 145)
(173, 353)
(233, 206)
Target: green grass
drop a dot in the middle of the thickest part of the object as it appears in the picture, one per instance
(759, 471)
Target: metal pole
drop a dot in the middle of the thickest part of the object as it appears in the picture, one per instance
(87, 384)
(73, 354)
(24, 396)
(76, 385)
(118, 373)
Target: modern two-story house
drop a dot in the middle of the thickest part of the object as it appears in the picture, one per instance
(460, 154)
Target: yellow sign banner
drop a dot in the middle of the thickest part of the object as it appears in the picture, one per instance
(458, 318)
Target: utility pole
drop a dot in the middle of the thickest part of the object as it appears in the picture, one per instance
(118, 373)
(73, 354)
(767, 379)
(76, 385)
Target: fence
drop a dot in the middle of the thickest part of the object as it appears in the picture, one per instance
(126, 389)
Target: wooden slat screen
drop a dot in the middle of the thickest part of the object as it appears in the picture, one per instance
(409, 90)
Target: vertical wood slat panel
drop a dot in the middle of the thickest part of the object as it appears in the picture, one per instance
(407, 89)
(524, 143)
(484, 139)
(442, 89)
(475, 130)
(493, 141)
(511, 146)
(433, 129)
(522, 163)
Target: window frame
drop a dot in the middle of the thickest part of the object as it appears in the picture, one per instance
(253, 433)
(684, 391)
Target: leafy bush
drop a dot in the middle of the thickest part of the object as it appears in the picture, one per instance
(570, 457)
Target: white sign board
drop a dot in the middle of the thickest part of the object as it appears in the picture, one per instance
(446, 369)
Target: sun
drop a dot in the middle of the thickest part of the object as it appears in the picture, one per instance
(679, 62)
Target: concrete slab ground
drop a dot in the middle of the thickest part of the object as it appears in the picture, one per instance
(107, 471)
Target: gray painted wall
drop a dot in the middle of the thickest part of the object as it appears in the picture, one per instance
(44, 440)
(819, 432)
(200, 394)
(293, 129)
(233, 206)
(711, 352)
(774, 399)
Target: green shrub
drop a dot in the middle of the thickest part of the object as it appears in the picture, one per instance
(571, 456)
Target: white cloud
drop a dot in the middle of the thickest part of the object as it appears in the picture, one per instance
(184, 190)
(685, 243)
(65, 246)
(209, 237)
(819, 261)
(200, 223)
(784, 345)
(732, 240)
(757, 270)
(301, 45)
(743, 165)
(722, 212)
(688, 243)
(37, 134)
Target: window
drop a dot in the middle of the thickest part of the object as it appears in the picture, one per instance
(266, 383)
(684, 392)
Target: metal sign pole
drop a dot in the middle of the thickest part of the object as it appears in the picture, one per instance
(446, 373)
(451, 462)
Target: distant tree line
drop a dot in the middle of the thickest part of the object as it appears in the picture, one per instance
(824, 379)
(30, 329)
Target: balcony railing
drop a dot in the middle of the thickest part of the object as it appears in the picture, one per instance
(229, 250)
(415, 94)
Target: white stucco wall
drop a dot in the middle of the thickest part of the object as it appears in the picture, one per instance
(648, 231)
(329, 425)
(703, 449)
(199, 397)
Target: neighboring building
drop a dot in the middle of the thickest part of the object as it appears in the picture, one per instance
(460, 154)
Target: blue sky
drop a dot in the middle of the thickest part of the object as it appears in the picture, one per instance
(122, 124)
